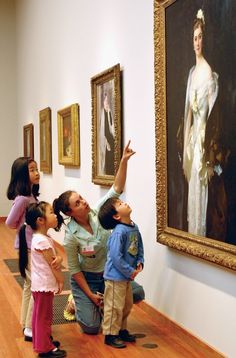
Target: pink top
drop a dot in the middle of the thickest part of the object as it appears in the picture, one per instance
(42, 278)
(16, 217)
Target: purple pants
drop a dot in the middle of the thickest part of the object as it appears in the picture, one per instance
(42, 321)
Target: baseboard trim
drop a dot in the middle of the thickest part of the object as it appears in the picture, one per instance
(2, 219)
(158, 316)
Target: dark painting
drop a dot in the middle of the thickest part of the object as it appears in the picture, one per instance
(219, 133)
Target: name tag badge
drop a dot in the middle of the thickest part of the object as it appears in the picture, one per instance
(88, 250)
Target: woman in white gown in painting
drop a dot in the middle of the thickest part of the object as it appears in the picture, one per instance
(106, 139)
(202, 91)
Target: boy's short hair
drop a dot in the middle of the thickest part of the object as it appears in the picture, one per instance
(106, 213)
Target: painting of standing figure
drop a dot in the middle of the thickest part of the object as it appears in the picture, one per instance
(200, 162)
(195, 123)
(106, 129)
(106, 125)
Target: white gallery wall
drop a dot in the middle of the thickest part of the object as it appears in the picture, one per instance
(8, 117)
(60, 45)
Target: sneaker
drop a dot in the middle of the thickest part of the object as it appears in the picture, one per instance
(114, 341)
(126, 336)
(59, 353)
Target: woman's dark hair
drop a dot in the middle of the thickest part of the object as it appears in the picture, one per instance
(33, 212)
(106, 213)
(20, 179)
(61, 204)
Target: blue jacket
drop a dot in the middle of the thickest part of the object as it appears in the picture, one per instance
(125, 251)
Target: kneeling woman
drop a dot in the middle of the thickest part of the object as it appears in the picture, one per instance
(85, 245)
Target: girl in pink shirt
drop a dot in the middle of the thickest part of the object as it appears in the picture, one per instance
(23, 189)
(45, 279)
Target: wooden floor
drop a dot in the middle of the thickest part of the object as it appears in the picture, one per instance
(159, 337)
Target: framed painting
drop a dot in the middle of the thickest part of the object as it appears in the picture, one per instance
(195, 86)
(106, 125)
(69, 136)
(45, 140)
(28, 140)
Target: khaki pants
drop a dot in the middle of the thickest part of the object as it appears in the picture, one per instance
(27, 299)
(118, 302)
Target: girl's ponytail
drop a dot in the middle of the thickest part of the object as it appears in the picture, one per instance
(57, 210)
(23, 251)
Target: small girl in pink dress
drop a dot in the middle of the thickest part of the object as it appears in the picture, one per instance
(45, 279)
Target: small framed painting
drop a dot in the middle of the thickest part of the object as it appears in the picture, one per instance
(69, 136)
(28, 140)
(45, 140)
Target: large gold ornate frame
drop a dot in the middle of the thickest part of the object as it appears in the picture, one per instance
(211, 250)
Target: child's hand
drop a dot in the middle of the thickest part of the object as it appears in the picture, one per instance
(139, 267)
(134, 274)
(60, 287)
(56, 263)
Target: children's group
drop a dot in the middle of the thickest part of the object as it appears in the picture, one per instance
(104, 251)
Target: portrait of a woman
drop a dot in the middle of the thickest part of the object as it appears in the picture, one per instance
(106, 130)
(201, 94)
(200, 117)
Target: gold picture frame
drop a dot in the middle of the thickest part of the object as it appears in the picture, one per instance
(28, 140)
(69, 136)
(166, 17)
(45, 140)
(106, 125)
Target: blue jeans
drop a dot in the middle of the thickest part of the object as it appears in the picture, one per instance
(87, 313)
